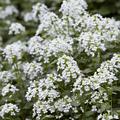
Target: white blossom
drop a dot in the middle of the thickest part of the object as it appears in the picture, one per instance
(60, 44)
(73, 8)
(98, 31)
(41, 107)
(29, 17)
(9, 10)
(35, 46)
(14, 50)
(107, 116)
(8, 108)
(64, 104)
(16, 28)
(106, 72)
(32, 70)
(91, 42)
(32, 91)
(6, 76)
(69, 68)
(47, 89)
(9, 88)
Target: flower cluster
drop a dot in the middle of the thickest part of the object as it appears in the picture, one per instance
(97, 33)
(68, 68)
(9, 10)
(32, 70)
(44, 74)
(14, 50)
(16, 28)
(8, 108)
(8, 88)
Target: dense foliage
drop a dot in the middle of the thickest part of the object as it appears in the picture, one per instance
(58, 62)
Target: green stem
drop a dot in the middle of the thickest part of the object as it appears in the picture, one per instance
(111, 98)
(99, 57)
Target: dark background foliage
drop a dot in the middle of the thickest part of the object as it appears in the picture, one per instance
(109, 8)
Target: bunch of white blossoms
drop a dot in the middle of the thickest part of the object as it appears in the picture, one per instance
(43, 78)
(8, 11)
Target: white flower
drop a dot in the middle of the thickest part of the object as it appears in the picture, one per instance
(91, 42)
(47, 89)
(6, 76)
(73, 8)
(77, 86)
(44, 89)
(64, 104)
(44, 49)
(32, 90)
(59, 45)
(115, 117)
(8, 108)
(69, 68)
(49, 23)
(35, 46)
(97, 32)
(9, 88)
(32, 70)
(99, 117)
(41, 107)
(40, 9)
(94, 109)
(107, 116)
(16, 28)
(9, 10)
(14, 50)
(38, 47)
(106, 72)
(29, 17)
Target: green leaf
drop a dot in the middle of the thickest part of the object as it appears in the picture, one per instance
(105, 106)
(116, 88)
(89, 113)
(48, 117)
